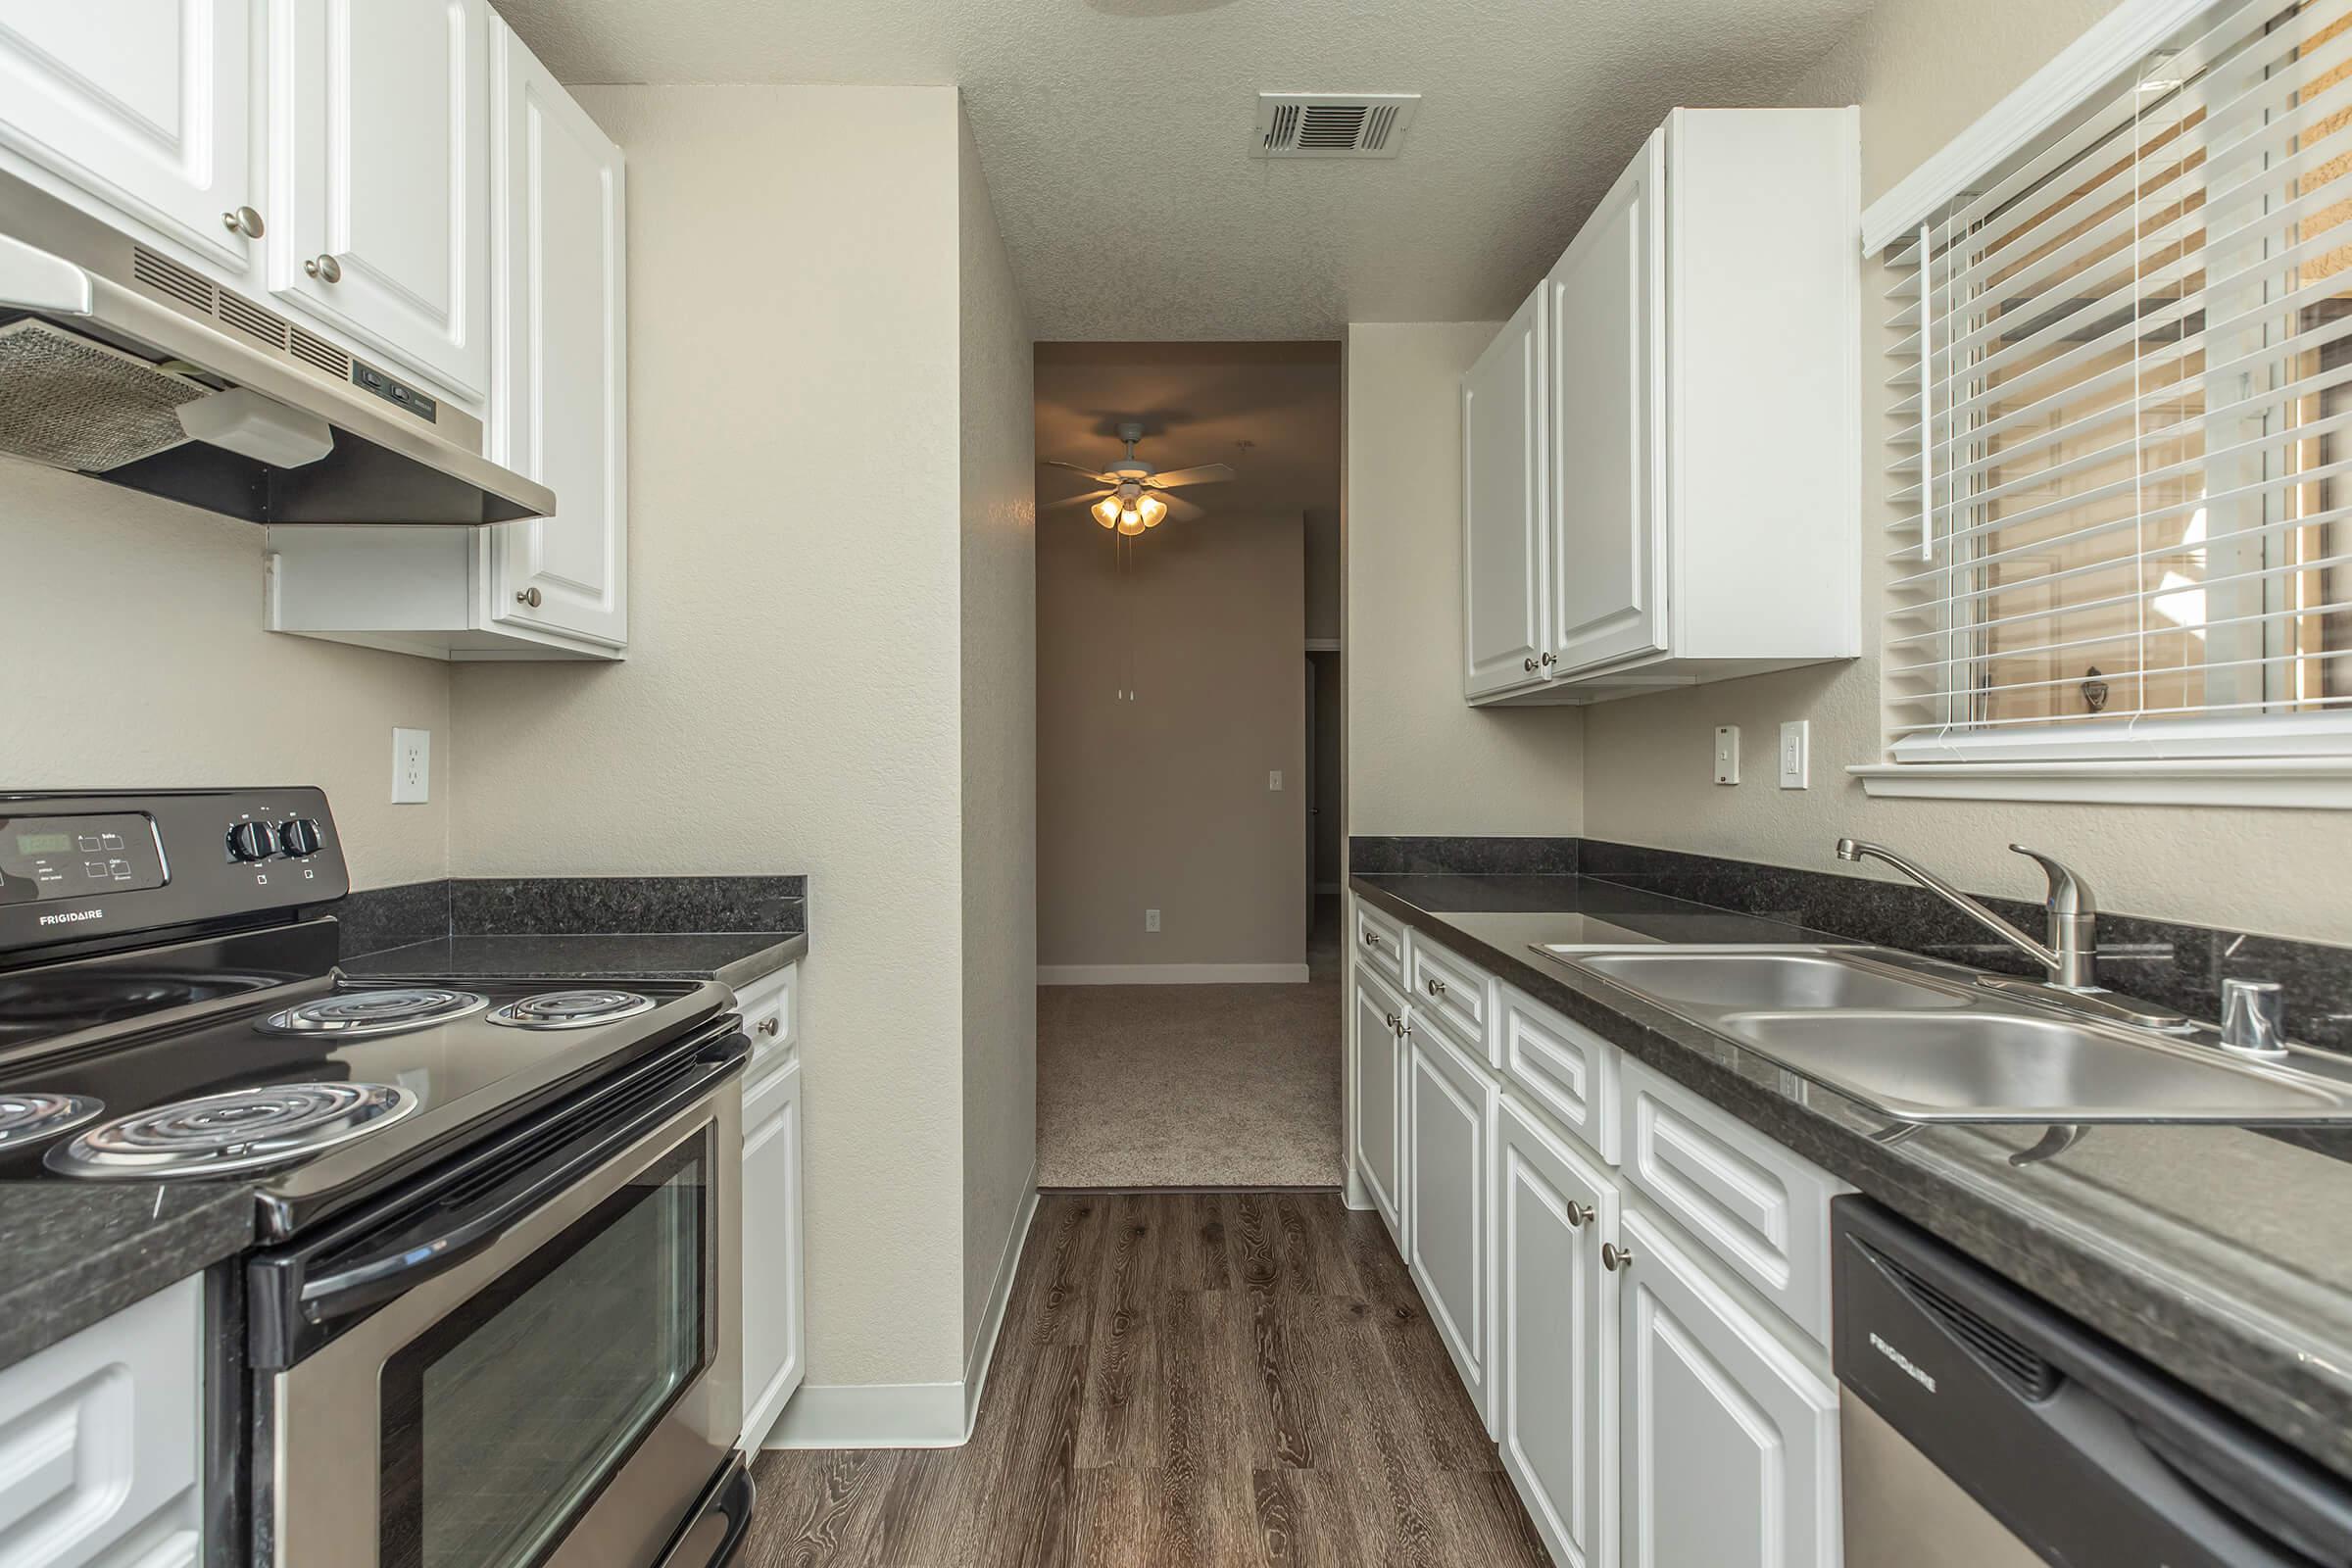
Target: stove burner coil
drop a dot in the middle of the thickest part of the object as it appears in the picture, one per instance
(27, 1118)
(571, 1009)
(244, 1129)
(359, 1013)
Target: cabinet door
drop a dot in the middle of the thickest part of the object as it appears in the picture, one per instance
(1375, 1137)
(1449, 1128)
(1708, 1390)
(559, 409)
(1503, 501)
(380, 158)
(1606, 325)
(1555, 1339)
(142, 104)
(772, 1325)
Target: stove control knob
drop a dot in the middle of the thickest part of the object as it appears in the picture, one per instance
(252, 841)
(298, 835)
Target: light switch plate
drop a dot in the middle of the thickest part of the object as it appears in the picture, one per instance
(1150, 919)
(1726, 754)
(1796, 747)
(1274, 779)
(411, 767)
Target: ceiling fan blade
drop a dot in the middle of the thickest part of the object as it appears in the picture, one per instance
(1206, 473)
(1099, 478)
(1181, 510)
(1086, 499)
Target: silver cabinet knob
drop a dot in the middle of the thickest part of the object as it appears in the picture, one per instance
(1614, 1257)
(769, 1026)
(2254, 1017)
(1436, 988)
(1547, 661)
(1528, 664)
(242, 221)
(1392, 1020)
(325, 269)
(1578, 1213)
(1371, 939)
(528, 596)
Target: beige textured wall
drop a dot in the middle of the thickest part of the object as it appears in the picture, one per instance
(1921, 79)
(1162, 803)
(1419, 758)
(790, 698)
(999, 688)
(132, 632)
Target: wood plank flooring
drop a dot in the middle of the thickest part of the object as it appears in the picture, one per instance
(1183, 1377)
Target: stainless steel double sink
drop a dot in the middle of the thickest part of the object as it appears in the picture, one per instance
(1919, 1041)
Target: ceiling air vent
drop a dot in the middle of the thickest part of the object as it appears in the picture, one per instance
(1332, 124)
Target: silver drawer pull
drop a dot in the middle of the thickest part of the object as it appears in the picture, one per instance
(769, 1026)
(1578, 1213)
(1436, 988)
(1614, 1257)
(325, 269)
(1371, 939)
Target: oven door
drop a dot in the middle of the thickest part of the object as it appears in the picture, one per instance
(561, 1396)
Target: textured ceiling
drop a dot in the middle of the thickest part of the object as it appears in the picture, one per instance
(1115, 132)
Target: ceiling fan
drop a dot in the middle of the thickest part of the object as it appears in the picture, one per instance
(1135, 496)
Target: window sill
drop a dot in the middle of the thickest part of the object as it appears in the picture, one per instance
(2310, 783)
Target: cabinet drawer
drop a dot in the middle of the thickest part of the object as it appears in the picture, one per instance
(1443, 985)
(1760, 1211)
(1380, 943)
(1561, 1068)
(770, 1007)
(101, 1434)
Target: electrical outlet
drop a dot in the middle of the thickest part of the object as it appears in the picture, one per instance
(1150, 919)
(1727, 755)
(411, 767)
(1274, 779)
(1796, 747)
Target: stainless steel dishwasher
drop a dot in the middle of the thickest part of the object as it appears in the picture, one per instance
(1983, 1429)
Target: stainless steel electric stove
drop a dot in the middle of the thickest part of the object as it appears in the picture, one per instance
(492, 1317)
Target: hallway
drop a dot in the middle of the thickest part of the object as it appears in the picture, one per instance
(1194, 1086)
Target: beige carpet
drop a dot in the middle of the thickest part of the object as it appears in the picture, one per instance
(1191, 1086)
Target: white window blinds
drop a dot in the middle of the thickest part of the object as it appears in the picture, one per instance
(2121, 433)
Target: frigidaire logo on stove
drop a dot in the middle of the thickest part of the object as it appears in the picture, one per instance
(70, 916)
(1900, 1359)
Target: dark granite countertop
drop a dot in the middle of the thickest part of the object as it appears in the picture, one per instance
(2222, 1255)
(78, 1252)
(731, 957)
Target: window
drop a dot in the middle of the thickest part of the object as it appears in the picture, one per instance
(2122, 428)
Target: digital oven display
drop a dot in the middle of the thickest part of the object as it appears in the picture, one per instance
(44, 857)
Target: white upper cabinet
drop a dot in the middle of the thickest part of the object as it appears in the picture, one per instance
(1696, 389)
(560, 414)
(1503, 527)
(379, 129)
(143, 104)
(1604, 566)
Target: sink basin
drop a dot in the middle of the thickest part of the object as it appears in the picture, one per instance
(1762, 982)
(1990, 1066)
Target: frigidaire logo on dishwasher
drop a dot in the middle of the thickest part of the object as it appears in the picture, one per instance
(68, 917)
(1923, 1378)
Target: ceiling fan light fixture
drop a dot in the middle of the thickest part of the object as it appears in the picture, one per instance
(1106, 511)
(1151, 509)
(1131, 523)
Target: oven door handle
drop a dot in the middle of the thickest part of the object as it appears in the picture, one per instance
(483, 1223)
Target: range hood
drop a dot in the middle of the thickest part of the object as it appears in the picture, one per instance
(119, 362)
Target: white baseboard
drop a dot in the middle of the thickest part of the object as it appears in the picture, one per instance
(1170, 974)
(983, 1353)
(872, 1415)
(910, 1416)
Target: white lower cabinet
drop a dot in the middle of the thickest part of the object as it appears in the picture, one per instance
(1449, 1133)
(102, 1441)
(1729, 1444)
(1555, 1400)
(1646, 1340)
(775, 1322)
(1375, 1131)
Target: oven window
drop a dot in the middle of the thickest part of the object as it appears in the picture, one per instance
(503, 1421)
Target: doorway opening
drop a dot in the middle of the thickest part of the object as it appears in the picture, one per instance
(1188, 769)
